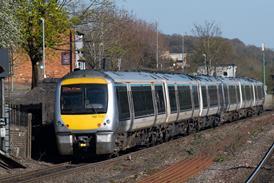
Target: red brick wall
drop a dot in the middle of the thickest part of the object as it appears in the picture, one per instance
(22, 66)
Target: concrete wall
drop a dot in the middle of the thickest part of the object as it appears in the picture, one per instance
(268, 104)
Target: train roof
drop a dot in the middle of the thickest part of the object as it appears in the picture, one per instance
(147, 76)
(118, 76)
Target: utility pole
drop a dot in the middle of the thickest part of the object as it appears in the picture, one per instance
(70, 50)
(157, 46)
(205, 60)
(43, 48)
(183, 51)
(263, 63)
(183, 45)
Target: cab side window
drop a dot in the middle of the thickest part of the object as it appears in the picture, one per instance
(122, 101)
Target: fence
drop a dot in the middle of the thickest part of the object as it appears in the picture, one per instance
(20, 131)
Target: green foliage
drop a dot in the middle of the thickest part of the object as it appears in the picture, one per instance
(56, 23)
(29, 14)
(9, 28)
(220, 158)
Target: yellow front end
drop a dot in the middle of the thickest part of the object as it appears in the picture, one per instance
(83, 121)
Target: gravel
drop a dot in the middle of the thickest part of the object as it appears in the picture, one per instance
(236, 148)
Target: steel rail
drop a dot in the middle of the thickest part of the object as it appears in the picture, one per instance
(252, 177)
(68, 168)
(37, 172)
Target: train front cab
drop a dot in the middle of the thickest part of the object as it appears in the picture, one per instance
(84, 116)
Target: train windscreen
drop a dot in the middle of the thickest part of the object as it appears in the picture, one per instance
(84, 99)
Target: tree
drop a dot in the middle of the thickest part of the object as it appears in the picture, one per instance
(57, 24)
(118, 35)
(9, 27)
(210, 46)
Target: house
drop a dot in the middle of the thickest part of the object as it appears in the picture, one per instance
(179, 59)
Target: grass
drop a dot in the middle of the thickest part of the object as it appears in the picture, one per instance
(220, 158)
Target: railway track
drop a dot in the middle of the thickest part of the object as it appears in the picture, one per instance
(181, 171)
(67, 168)
(177, 172)
(53, 171)
(259, 167)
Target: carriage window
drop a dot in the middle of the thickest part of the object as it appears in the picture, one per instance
(238, 93)
(243, 93)
(226, 95)
(172, 99)
(248, 93)
(252, 92)
(232, 95)
(204, 96)
(160, 99)
(122, 100)
(184, 98)
(221, 95)
(212, 91)
(256, 92)
(260, 92)
(142, 100)
(195, 96)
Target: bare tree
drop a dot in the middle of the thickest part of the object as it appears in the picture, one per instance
(209, 46)
(119, 36)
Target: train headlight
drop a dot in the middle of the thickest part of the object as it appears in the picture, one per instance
(103, 138)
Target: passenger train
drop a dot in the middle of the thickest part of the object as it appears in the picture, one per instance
(104, 112)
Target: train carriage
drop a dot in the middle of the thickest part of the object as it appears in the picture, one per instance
(105, 112)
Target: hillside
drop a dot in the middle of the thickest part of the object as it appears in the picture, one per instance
(248, 58)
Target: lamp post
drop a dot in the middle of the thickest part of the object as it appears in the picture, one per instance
(205, 60)
(263, 63)
(43, 48)
(157, 46)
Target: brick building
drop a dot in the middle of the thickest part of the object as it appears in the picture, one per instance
(22, 71)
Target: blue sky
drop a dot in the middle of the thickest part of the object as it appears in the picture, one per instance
(252, 21)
